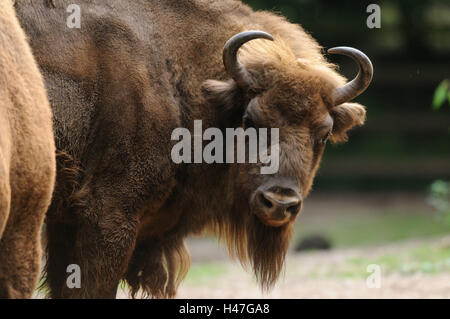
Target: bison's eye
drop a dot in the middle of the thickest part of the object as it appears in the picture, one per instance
(324, 131)
(326, 137)
(248, 122)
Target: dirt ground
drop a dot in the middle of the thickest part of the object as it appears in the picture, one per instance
(340, 272)
(298, 282)
(306, 277)
(411, 268)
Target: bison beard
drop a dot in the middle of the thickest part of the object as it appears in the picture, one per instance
(158, 269)
(267, 247)
(255, 245)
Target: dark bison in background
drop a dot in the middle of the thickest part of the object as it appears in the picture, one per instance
(120, 85)
(27, 159)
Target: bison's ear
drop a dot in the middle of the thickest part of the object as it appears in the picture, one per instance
(219, 91)
(345, 117)
(227, 98)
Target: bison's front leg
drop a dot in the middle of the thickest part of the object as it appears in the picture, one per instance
(98, 233)
(97, 249)
(103, 250)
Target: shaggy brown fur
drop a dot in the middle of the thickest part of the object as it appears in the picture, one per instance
(135, 71)
(27, 159)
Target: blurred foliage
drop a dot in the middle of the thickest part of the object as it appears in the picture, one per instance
(404, 145)
(439, 198)
(441, 95)
(419, 27)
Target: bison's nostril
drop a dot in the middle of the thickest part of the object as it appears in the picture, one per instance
(276, 206)
(265, 201)
(294, 209)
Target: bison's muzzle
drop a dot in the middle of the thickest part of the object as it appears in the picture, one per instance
(277, 204)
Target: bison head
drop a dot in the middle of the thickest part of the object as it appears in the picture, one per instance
(308, 101)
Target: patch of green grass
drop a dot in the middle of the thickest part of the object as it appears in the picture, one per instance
(201, 273)
(374, 229)
(425, 259)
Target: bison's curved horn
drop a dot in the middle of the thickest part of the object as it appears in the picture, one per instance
(230, 60)
(359, 84)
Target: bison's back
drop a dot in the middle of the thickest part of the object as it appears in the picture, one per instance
(27, 158)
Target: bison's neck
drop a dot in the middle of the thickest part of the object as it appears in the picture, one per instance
(204, 197)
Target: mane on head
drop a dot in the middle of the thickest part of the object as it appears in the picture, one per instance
(272, 61)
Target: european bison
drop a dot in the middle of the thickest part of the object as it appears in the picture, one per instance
(124, 81)
(27, 159)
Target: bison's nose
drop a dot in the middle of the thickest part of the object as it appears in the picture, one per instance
(277, 206)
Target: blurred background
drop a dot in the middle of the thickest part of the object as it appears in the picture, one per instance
(383, 197)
